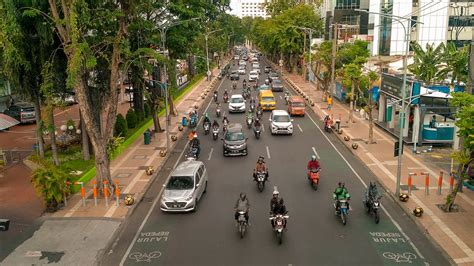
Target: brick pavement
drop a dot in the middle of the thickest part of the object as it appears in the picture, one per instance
(452, 231)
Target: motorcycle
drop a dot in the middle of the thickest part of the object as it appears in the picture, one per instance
(193, 121)
(314, 177)
(257, 131)
(193, 152)
(261, 177)
(287, 98)
(372, 207)
(343, 210)
(215, 133)
(242, 223)
(259, 114)
(225, 126)
(279, 222)
(226, 98)
(234, 86)
(207, 127)
(218, 112)
(252, 107)
(215, 96)
(249, 121)
(327, 124)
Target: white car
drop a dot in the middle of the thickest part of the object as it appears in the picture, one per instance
(253, 75)
(236, 103)
(256, 66)
(236, 57)
(242, 63)
(241, 71)
(281, 122)
(254, 59)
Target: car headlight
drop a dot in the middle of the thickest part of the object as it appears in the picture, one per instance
(190, 197)
(290, 127)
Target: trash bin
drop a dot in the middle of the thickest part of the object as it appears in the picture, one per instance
(147, 137)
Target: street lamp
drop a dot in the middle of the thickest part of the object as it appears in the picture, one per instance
(310, 50)
(206, 36)
(163, 30)
(403, 99)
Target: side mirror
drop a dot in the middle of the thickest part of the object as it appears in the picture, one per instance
(197, 185)
(163, 185)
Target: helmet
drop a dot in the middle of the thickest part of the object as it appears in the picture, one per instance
(257, 120)
(243, 196)
(313, 157)
(340, 184)
(260, 159)
(195, 136)
(206, 115)
(276, 193)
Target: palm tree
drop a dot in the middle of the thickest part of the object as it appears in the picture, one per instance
(372, 77)
(456, 63)
(427, 63)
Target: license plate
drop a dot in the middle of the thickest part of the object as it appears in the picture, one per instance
(175, 205)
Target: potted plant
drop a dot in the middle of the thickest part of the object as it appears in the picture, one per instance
(50, 184)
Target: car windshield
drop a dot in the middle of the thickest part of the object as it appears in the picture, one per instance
(268, 99)
(276, 82)
(297, 104)
(234, 136)
(281, 118)
(236, 100)
(180, 183)
(273, 75)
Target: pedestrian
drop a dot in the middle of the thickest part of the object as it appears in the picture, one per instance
(329, 102)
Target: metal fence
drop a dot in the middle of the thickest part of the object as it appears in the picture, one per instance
(10, 157)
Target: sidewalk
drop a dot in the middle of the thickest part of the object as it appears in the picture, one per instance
(452, 231)
(101, 220)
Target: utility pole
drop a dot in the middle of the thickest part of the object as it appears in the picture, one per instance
(333, 63)
(471, 67)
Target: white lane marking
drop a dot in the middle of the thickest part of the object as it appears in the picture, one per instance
(210, 154)
(281, 98)
(268, 152)
(365, 185)
(299, 127)
(316, 153)
(263, 128)
(125, 256)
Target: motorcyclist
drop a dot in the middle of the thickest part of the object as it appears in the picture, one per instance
(341, 193)
(371, 193)
(195, 144)
(234, 84)
(313, 164)
(274, 201)
(328, 121)
(225, 121)
(244, 83)
(279, 208)
(215, 94)
(206, 119)
(260, 167)
(215, 124)
(191, 135)
(249, 114)
(256, 123)
(242, 204)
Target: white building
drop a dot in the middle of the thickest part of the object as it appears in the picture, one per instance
(431, 23)
(248, 8)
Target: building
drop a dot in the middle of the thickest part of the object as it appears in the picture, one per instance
(248, 8)
(342, 12)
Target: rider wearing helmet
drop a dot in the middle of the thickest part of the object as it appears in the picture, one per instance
(242, 204)
(274, 201)
(313, 164)
(257, 123)
(215, 124)
(260, 167)
(206, 119)
(341, 193)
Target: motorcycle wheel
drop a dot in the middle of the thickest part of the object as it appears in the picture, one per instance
(260, 186)
(377, 217)
(343, 218)
(242, 230)
(214, 137)
(280, 237)
(257, 135)
(315, 185)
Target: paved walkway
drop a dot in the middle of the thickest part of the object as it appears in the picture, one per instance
(98, 223)
(452, 231)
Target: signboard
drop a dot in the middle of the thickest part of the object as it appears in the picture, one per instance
(392, 85)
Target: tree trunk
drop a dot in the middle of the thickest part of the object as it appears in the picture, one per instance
(138, 104)
(39, 130)
(52, 134)
(156, 120)
(450, 199)
(86, 154)
(371, 120)
(351, 106)
(173, 111)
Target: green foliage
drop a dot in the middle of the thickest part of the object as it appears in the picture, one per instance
(352, 74)
(49, 182)
(147, 110)
(113, 144)
(120, 128)
(464, 117)
(140, 115)
(276, 7)
(352, 53)
(131, 119)
(427, 62)
(456, 61)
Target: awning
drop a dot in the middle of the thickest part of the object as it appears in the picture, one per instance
(7, 121)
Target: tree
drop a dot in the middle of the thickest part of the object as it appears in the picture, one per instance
(351, 77)
(456, 61)
(323, 55)
(427, 63)
(372, 77)
(465, 155)
(276, 7)
(92, 35)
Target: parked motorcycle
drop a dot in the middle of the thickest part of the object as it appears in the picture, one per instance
(207, 127)
(257, 131)
(279, 222)
(372, 206)
(261, 177)
(343, 210)
(314, 177)
(242, 223)
(215, 133)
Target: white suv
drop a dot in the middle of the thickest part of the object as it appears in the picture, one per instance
(236, 103)
(281, 122)
(253, 75)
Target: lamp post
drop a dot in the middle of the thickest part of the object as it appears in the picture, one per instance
(163, 30)
(206, 36)
(310, 49)
(401, 120)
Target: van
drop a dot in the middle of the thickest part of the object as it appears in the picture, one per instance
(296, 105)
(267, 100)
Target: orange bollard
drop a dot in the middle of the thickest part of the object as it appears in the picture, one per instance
(83, 192)
(451, 182)
(440, 182)
(410, 182)
(427, 183)
(95, 192)
(117, 193)
(106, 194)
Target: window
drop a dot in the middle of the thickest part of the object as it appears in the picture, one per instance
(200, 173)
(347, 4)
(461, 21)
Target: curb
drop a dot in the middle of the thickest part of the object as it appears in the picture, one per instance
(387, 191)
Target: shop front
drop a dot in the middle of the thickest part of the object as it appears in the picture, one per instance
(428, 118)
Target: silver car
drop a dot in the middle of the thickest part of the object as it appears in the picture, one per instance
(185, 187)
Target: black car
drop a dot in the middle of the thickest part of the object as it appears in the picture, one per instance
(235, 142)
(277, 85)
(234, 75)
(23, 112)
(268, 69)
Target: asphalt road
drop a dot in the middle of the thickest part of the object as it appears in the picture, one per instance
(315, 236)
